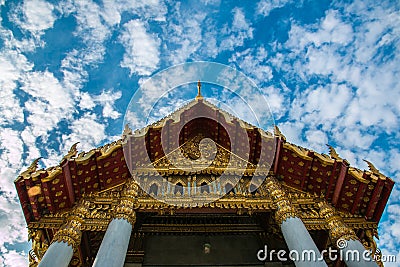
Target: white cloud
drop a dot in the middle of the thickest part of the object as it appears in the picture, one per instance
(389, 232)
(50, 102)
(142, 54)
(38, 15)
(34, 17)
(11, 158)
(394, 159)
(237, 33)
(93, 33)
(87, 130)
(86, 101)
(186, 37)
(254, 62)
(13, 258)
(361, 95)
(317, 139)
(12, 66)
(148, 10)
(264, 7)
(331, 30)
(107, 99)
(321, 105)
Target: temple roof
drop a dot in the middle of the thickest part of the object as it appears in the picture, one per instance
(47, 191)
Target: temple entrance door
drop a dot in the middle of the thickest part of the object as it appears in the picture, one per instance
(200, 250)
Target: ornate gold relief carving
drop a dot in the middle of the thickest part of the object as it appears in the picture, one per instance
(70, 232)
(280, 199)
(125, 208)
(39, 246)
(337, 228)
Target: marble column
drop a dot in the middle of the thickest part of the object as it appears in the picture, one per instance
(302, 248)
(169, 187)
(67, 239)
(352, 252)
(194, 185)
(113, 248)
(214, 184)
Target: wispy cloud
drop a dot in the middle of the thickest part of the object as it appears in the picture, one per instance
(142, 54)
(264, 7)
(13, 65)
(235, 34)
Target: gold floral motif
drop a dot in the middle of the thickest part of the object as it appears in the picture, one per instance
(280, 199)
(125, 209)
(70, 232)
(337, 228)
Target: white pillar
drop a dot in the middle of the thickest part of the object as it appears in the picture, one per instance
(354, 254)
(302, 249)
(59, 254)
(168, 188)
(67, 238)
(113, 248)
(300, 244)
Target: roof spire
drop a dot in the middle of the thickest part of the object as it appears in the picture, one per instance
(199, 96)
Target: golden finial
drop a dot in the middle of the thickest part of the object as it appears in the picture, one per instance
(199, 96)
(31, 169)
(278, 133)
(332, 152)
(372, 167)
(127, 130)
(71, 153)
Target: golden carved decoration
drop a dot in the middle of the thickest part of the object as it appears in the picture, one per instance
(70, 232)
(199, 96)
(298, 151)
(31, 169)
(278, 133)
(370, 244)
(84, 157)
(127, 131)
(280, 199)
(34, 191)
(332, 153)
(108, 149)
(125, 208)
(39, 244)
(200, 155)
(71, 153)
(372, 167)
(337, 228)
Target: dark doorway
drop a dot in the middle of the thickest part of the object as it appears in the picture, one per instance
(202, 250)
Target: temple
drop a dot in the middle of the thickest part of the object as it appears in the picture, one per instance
(198, 198)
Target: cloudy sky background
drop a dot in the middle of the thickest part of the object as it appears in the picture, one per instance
(330, 72)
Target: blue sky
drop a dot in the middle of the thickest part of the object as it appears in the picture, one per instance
(330, 72)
